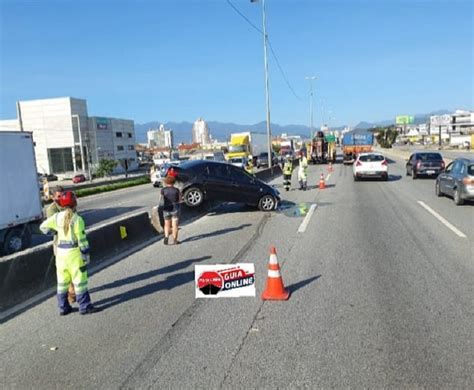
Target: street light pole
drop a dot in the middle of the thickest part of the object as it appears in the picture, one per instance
(267, 88)
(80, 140)
(311, 78)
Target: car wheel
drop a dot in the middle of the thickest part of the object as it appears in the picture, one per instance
(407, 173)
(438, 189)
(457, 198)
(414, 176)
(266, 203)
(356, 178)
(385, 177)
(193, 197)
(16, 240)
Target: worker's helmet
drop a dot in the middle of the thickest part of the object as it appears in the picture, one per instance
(68, 199)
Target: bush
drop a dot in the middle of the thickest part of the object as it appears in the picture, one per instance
(106, 167)
(112, 187)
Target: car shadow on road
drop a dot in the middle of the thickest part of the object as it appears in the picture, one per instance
(215, 233)
(150, 274)
(296, 286)
(169, 283)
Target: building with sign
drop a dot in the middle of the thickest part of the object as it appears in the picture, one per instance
(67, 140)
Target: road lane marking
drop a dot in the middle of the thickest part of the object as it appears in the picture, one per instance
(328, 176)
(306, 219)
(442, 220)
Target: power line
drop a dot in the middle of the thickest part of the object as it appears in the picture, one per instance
(269, 44)
(244, 17)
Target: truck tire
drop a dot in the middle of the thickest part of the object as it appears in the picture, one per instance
(16, 240)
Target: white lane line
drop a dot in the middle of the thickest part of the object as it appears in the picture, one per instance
(328, 176)
(306, 219)
(442, 220)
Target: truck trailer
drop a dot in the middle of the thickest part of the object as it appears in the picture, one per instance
(20, 199)
(355, 142)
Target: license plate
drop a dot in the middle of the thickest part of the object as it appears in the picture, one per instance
(430, 172)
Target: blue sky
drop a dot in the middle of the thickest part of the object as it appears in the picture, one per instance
(178, 60)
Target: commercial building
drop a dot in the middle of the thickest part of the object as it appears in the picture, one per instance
(161, 137)
(201, 132)
(67, 140)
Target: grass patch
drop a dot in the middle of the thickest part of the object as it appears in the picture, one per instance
(111, 187)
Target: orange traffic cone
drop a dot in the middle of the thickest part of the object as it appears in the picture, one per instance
(322, 184)
(274, 289)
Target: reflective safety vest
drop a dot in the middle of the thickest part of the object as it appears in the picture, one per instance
(288, 168)
(76, 235)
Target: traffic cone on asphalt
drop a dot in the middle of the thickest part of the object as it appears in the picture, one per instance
(274, 289)
(322, 184)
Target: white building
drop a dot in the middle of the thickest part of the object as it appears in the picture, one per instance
(201, 132)
(161, 137)
(61, 148)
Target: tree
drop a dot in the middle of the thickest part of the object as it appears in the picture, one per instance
(106, 167)
(386, 136)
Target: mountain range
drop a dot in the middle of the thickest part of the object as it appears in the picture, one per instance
(182, 131)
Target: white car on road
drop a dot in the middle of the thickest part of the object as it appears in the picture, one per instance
(370, 165)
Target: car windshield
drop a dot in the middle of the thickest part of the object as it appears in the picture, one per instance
(470, 170)
(236, 161)
(429, 156)
(371, 157)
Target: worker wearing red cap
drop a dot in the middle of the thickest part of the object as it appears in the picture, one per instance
(72, 254)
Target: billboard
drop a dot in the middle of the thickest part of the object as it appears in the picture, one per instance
(440, 120)
(404, 119)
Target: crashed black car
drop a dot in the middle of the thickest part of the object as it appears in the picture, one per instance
(201, 180)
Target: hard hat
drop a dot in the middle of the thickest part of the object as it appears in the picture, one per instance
(68, 199)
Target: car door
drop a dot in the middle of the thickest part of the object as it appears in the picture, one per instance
(243, 187)
(409, 164)
(216, 182)
(448, 178)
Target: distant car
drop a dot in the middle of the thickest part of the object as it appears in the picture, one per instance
(215, 156)
(370, 165)
(47, 177)
(457, 180)
(240, 162)
(158, 175)
(201, 180)
(424, 164)
(78, 178)
(262, 159)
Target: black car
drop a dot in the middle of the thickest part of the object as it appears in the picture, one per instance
(200, 180)
(262, 159)
(424, 164)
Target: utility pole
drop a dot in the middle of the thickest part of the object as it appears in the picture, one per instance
(267, 88)
(310, 78)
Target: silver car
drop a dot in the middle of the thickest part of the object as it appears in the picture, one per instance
(457, 180)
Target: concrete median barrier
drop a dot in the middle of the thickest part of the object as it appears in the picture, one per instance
(27, 273)
(269, 174)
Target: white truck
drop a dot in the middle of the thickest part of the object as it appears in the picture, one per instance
(20, 200)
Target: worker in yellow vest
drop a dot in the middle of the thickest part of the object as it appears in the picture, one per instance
(287, 171)
(72, 254)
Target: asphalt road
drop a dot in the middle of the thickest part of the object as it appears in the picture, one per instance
(451, 154)
(381, 296)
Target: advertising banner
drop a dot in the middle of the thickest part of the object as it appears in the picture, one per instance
(440, 120)
(404, 119)
(224, 280)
